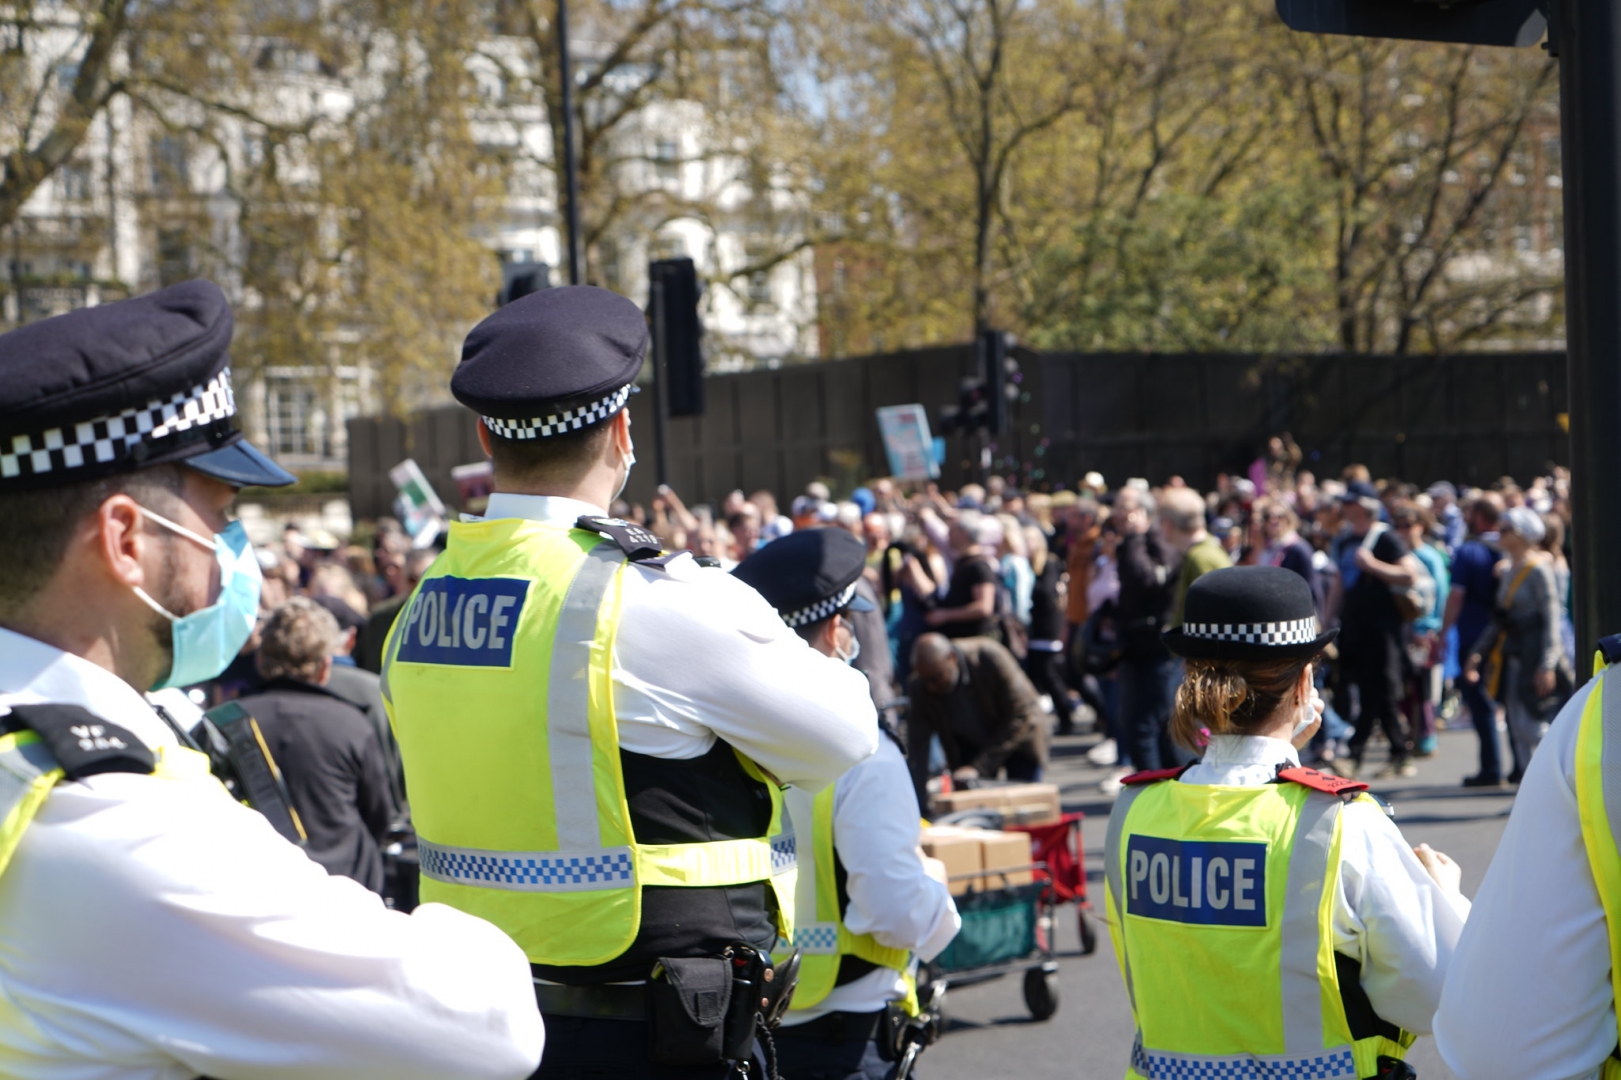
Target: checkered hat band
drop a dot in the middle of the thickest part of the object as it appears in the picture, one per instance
(109, 439)
(1336, 1064)
(1298, 632)
(820, 610)
(562, 422)
(529, 871)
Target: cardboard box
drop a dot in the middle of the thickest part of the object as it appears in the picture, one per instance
(959, 850)
(968, 852)
(1019, 804)
(1009, 852)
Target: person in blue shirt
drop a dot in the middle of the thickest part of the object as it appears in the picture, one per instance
(1449, 516)
(1469, 608)
(1425, 651)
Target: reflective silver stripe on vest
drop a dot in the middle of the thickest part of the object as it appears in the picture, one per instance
(580, 863)
(1301, 930)
(568, 701)
(810, 936)
(20, 766)
(1112, 858)
(1322, 1065)
(1610, 753)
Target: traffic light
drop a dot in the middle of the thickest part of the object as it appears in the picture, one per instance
(1469, 22)
(983, 399)
(1002, 377)
(522, 278)
(674, 284)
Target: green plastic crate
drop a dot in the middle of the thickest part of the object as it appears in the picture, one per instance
(998, 926)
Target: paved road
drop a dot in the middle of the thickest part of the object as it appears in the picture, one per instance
(991, 1034)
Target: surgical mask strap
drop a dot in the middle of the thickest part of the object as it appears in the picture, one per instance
(154, 605)
(196, 538)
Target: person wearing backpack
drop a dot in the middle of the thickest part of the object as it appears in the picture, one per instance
(1375, 566)
(1520, 657)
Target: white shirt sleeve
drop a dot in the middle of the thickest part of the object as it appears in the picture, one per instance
(875, 830)
(700, 654)
(1394, 920)
(1529, 994)
(156, 929)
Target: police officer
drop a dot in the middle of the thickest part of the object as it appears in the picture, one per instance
(1269, 920)
(151, 926)
(1532, 990)
(865, 905)
(594, 735)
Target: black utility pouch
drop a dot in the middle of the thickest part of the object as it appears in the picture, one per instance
(687, 1001)
(892, 1033)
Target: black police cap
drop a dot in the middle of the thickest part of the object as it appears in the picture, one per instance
(552, 362)
(125, 386)
(1248, 613)
(808, 576)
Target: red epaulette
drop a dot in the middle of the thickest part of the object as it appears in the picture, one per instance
(1324, 782)
(1154, 776)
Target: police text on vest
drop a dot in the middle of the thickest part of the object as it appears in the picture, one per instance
(1205, 882)
(463, 621)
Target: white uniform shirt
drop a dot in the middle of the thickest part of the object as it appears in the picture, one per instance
(1529, 995)
(1389, 914)
(875, 832)
(701, 655)
(155, 930)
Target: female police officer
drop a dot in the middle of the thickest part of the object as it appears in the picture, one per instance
(1270, 921)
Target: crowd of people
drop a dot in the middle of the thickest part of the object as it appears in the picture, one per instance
(1004, 617)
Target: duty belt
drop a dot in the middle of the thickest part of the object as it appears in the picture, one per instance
(601, 1002)
(836, 1027)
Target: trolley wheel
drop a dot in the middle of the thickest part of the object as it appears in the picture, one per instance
(1089, 934)
(1041, 993)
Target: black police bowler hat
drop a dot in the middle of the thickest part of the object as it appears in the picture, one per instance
(808, 575)
(125, 386)
(1248, 613)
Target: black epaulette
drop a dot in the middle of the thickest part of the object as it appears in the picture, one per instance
(636, 542)
(83, 743)
(1610, 648)
(708, 562)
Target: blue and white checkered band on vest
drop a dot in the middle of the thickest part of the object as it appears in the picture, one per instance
(110, 438)
(1297, 632)
(820, 610)
(563, 421)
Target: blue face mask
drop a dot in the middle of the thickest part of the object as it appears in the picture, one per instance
(208, 639)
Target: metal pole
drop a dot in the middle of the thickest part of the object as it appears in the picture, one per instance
(571, 171)
(1589, 40)
(661, 381)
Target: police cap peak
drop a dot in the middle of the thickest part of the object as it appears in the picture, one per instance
(554, 361)
(125, 386)
(808, 575)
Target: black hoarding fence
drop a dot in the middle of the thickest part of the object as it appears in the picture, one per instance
(1467, 418)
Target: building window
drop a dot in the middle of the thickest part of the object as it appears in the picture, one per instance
(171, 173)
(667, 159)
(291, 406)
(73, 183)
(174, 256)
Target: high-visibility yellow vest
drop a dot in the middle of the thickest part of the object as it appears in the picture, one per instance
(1598, 804)
(28, 773)
(819, 931)
(498, 681)
(1220, 903)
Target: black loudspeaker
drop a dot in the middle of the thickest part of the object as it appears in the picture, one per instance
(677, 329)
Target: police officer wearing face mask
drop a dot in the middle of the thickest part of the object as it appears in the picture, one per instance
(150, 925)
(594, 734)
(1269, 920)
(865, 905)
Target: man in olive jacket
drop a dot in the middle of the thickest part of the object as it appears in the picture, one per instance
(973, 694)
